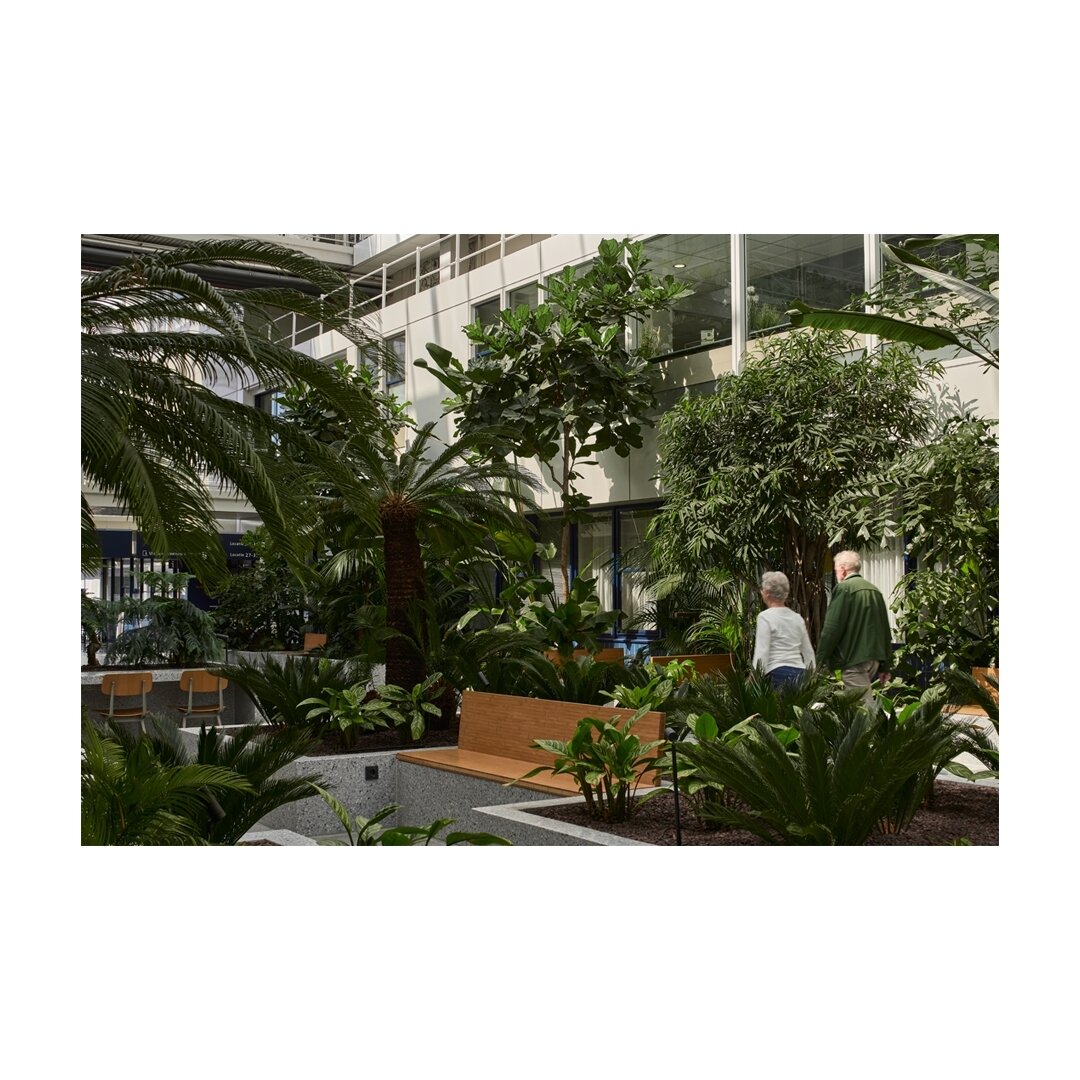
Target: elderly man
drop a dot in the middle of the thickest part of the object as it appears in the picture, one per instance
(856, 637)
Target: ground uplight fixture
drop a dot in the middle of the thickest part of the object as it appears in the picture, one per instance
(680, 266)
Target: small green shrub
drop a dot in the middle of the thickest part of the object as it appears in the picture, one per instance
(367, 832)
(356, 706)
(605, 761)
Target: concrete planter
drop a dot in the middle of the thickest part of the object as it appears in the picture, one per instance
(515, 822)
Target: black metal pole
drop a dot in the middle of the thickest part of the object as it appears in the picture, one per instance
(675, 780)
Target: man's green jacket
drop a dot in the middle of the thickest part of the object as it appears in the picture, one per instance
(856, 627)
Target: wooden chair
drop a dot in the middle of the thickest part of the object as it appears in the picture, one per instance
(200, 681)
(126, 684)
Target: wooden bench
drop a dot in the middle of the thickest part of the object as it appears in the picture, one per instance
(496, 732)
(603, 656)
(704, 663)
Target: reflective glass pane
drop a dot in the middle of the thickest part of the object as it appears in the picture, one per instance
(529, 295)
(595, 555)
(822, 270)
(703, 262)
(634, 560)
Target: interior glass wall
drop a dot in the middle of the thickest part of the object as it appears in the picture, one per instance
(822, 270)
(704, 263)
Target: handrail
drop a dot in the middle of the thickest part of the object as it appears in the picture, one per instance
(422, 268)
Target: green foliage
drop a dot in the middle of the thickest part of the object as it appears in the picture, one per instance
(721, 707)
(456, 496)
(943, 497)
(309, 410)
(391, 706)
(758, 473)
(131, 796)
(574, 623)
(651, 694)
(560, 378)
(262, 606)
(258, 754)
(146, 789)
(849, 771)
(935, 293)
(156, 338)
(964, 689)
(172, 631)
(696, 611)
(367, 832)
(605, 761)
(583, 679)
(280, 688)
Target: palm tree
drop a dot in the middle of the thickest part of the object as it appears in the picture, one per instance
(155, 338)
(454, 493)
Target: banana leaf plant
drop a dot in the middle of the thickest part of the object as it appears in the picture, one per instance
(911, 332)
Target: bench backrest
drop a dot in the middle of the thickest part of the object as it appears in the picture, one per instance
(504, 725)
(602, 656)
(704, 663)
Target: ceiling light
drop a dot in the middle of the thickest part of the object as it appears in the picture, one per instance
(680, 266)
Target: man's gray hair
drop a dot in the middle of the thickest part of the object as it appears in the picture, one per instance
(849, 559)
(775, 584)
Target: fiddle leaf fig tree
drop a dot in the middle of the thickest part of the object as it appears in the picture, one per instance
(561, 376)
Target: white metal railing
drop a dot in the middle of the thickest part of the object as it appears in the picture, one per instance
(342, 239)
(423, 268)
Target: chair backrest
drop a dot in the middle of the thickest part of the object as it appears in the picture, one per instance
(201, 681)
(314, 641)
(126, 683)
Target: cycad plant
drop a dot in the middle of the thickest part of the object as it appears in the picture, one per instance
(156, 336)
(850, 770)
(130, 795)
(457, 490)
(280, 688)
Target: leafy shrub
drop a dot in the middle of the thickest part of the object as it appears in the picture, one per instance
(280, 688)
(169, 629)
(607, 765)
(850, 770)
(367, 832)
(131, 796)
(389, 705)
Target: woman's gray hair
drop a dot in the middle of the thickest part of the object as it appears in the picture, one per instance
(775, 584)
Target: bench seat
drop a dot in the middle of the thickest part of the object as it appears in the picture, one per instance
(495, 736)
(490, 767)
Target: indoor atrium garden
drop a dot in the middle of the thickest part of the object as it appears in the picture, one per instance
(410, 653)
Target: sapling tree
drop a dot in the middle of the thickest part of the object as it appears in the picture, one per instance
(560, 378)
(758, 474)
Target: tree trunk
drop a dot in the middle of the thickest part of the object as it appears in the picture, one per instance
(406, 665)
(804, 564)
(565, 491)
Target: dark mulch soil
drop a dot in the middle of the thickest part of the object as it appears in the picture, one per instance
(960, 810)
(257, 843)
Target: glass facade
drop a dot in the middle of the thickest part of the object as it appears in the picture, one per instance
(704, 318)
(821, 269)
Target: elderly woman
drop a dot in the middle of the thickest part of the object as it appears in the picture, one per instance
(782, 647)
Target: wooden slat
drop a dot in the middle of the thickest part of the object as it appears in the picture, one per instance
(603, 656)
(504, 725)
(496, 730)
(492, 767)
(704, 663)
